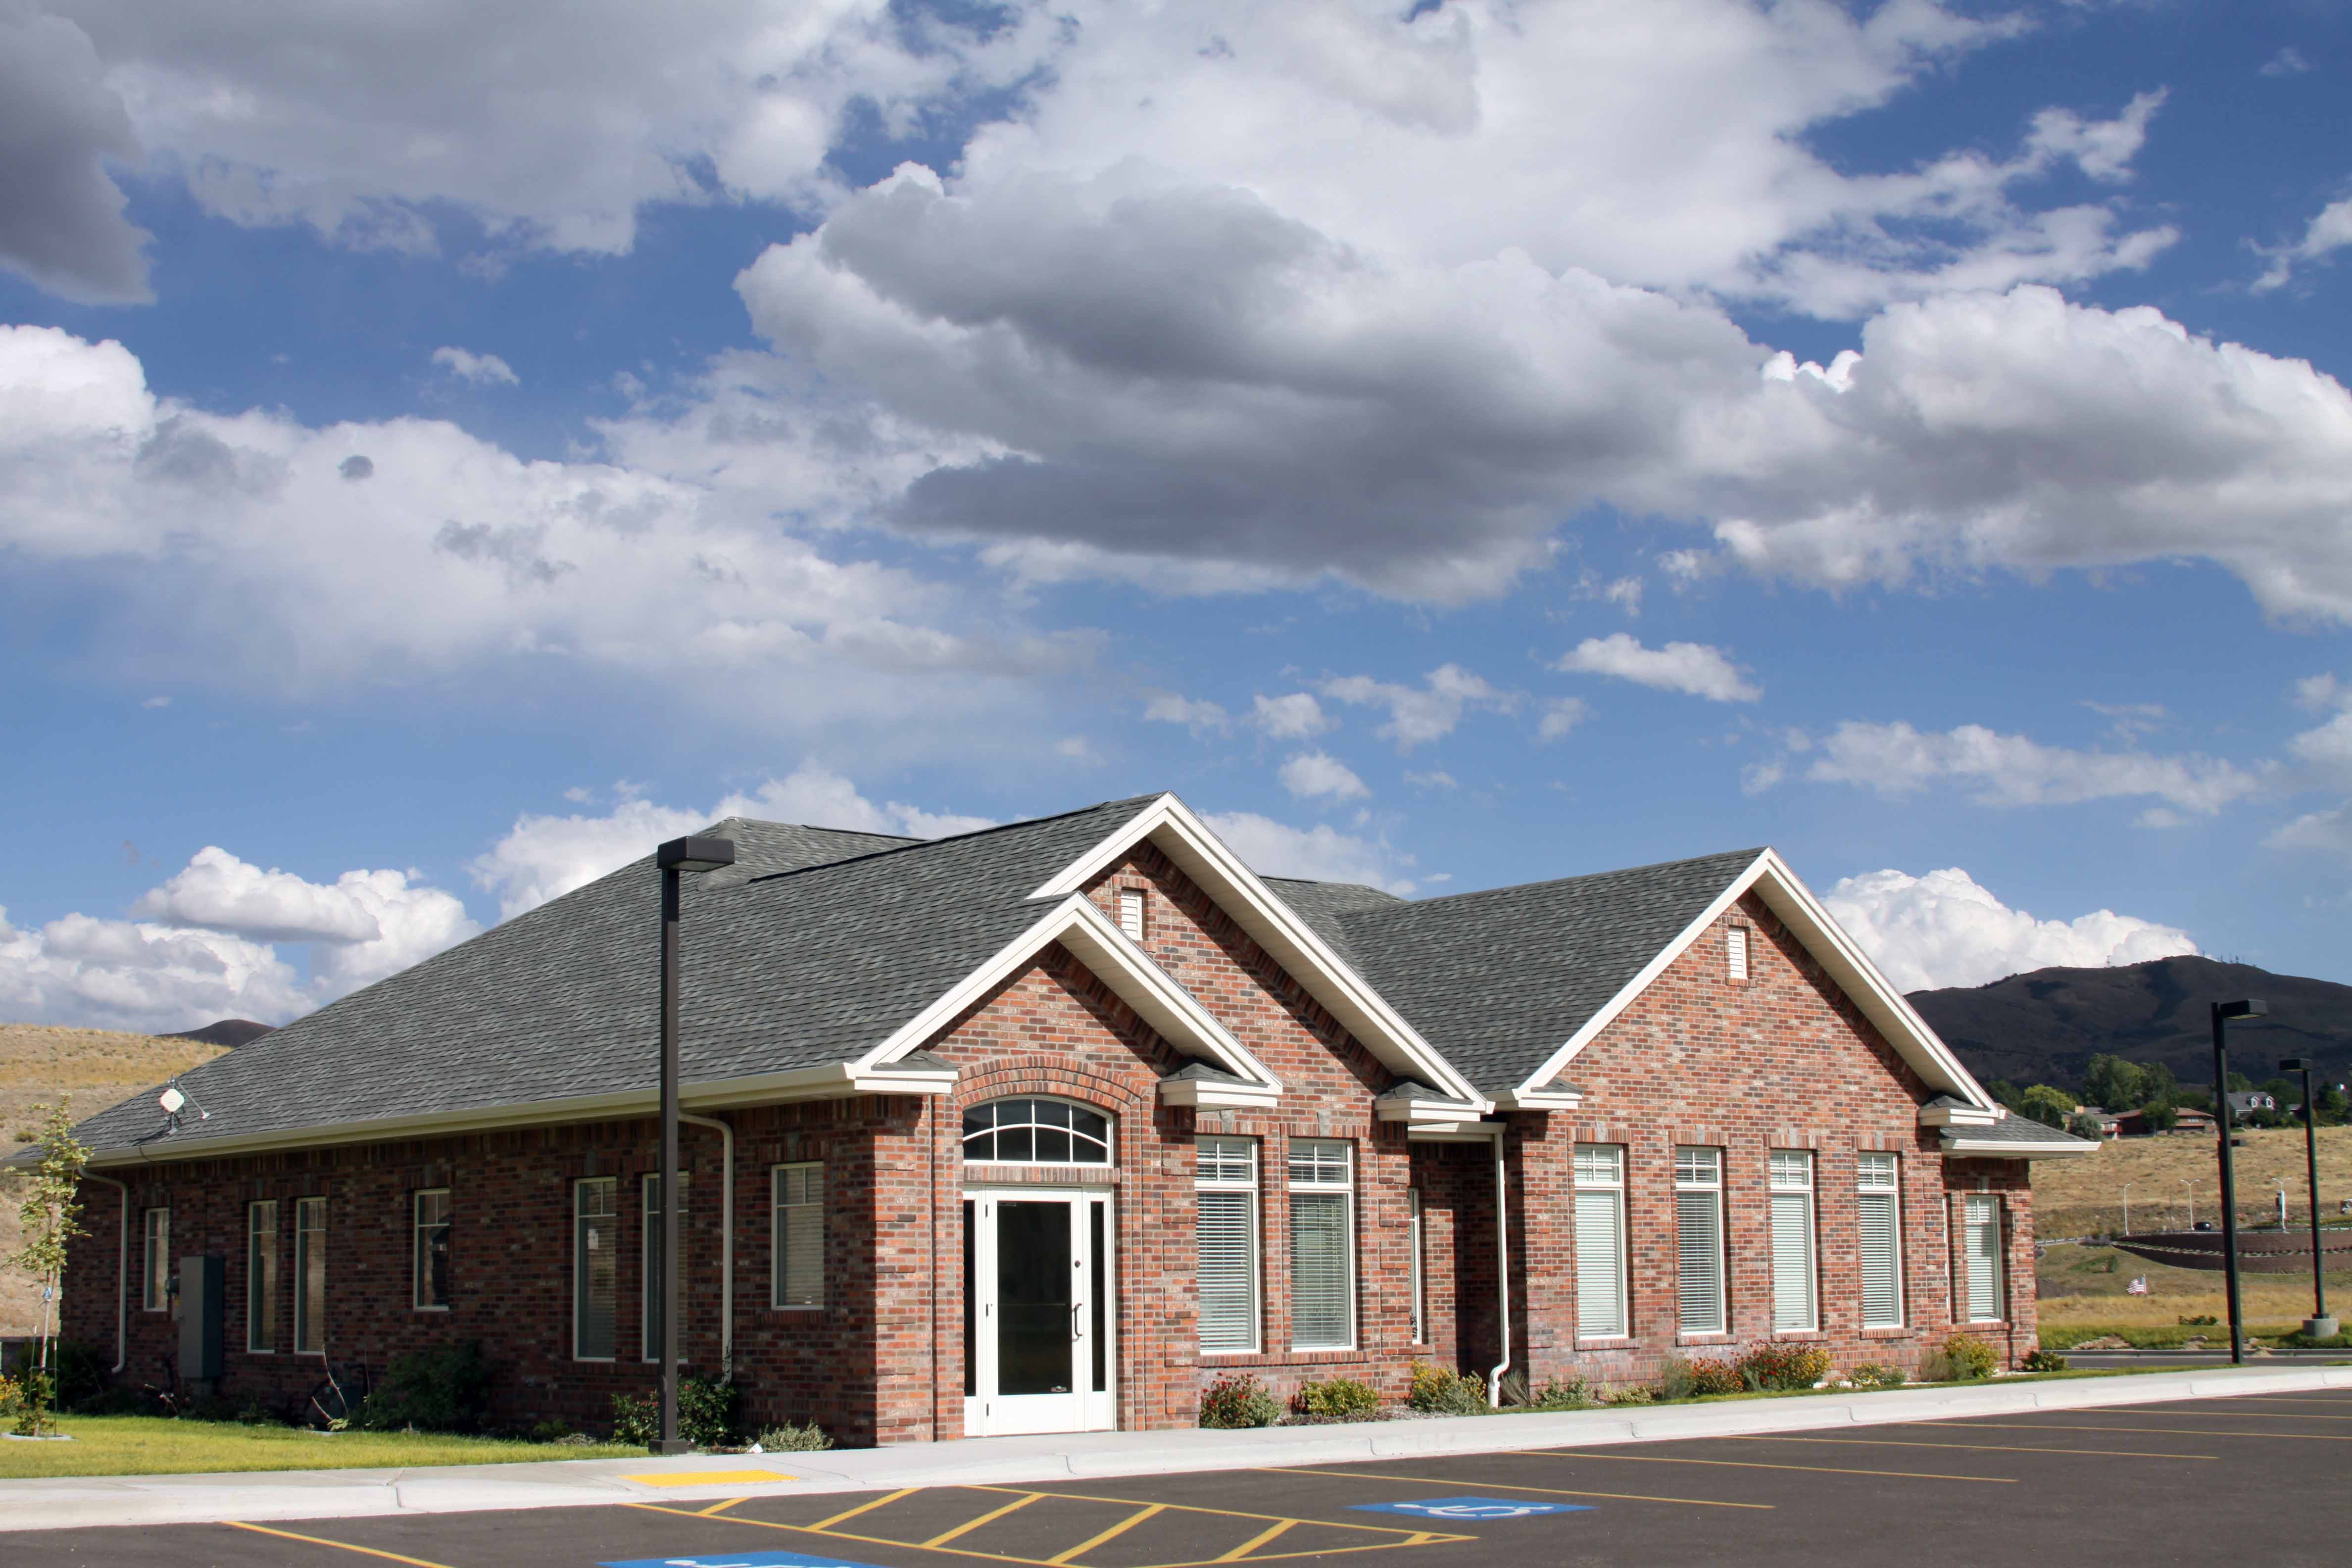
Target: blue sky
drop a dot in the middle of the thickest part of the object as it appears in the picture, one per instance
(442, 453)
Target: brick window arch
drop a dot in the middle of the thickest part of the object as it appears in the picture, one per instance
(1036, 1129)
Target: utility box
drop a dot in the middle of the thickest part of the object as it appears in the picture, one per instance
(203, 1302)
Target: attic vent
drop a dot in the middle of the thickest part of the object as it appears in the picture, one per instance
(1130, 912)
(1735, 951)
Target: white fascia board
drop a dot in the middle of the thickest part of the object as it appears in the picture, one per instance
(1821, 936)
(1112, 957)
(1290, 942)
(1957, 1116)
(1465, 1131)
(1963, 1147)
(1191, 1093)
(1514, 1100)
(1413, 1111)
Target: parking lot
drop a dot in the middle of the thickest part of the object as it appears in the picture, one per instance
(2251, 1480)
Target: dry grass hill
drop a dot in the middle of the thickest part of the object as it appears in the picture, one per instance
(91, 1068)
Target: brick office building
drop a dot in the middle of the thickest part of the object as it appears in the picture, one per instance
(1048, 1127)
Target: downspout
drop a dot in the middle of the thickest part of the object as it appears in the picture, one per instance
(121, 1274)
(725, 1237)
(1502, 1268)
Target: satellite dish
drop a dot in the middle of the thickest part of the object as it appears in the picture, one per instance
(170, 1099)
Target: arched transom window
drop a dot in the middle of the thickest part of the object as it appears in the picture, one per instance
(1036, 1133)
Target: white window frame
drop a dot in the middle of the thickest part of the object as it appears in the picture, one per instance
(1599, 1195)
(1322, 1182)
(1229, 1165)
(1979, 1212)
(795, 1198)
(1130, 912)
(609, 1188)
(1735, 944)
(310, 1242)
(261, 1278)
(649, 1257)
(1879, 1175)
(1792, 1178)
(155, 1258)
(1699, 1174)
(1415, 1236)
(420, 1241)
(1109, 1139)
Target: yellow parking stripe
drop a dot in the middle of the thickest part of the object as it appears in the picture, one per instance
(1255, 1542)
(1191, 1507)
(1115, 1531)
(865, 1507)
(2249, 1415)
(1759, 1465)
(719, 1508)
(2174, 1431)
(1978, 1448)
(1502, 1486)
(969, 1525)
(338, 1545)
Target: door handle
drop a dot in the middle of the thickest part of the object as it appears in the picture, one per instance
(1076, 1308)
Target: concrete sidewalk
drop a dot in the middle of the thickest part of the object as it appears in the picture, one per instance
(80, 1502)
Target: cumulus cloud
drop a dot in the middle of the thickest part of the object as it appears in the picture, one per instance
(2288, 62)
(1312, 773)
(2327, 234)
(1294, 716)
(1559, 716)
(61, 223)
(1317, 854)
(1943, 929)
(2013, 769)
(481, 370)
(543, 857)
(1430, 712)
(1694, 668)
(1197, 715)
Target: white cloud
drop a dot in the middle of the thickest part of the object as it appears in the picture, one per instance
(2330, 830)
(61, 223)
(2288, 62)
(1943, 929)
(1311, 774)
(1417, 717)
(1437, 778)
(1077, 749)
(545, 856)
(1694, 668)
(2012, 770)
(2321, 692)
(1294, 716)
(481, 370)
(2327, 234)
(1197, 715)
(1561, 715)
(1317, 854)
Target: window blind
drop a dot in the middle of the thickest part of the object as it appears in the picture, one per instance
(1794, 1310)
(1600, 1212)
(650, 1318)
(1879, 1219)
(1420, 1306)
(1322, 1246)
(798, 1242)
(430, 1268)
(1227, 1235)
(156, 1292)
(261, 1276)
(596, 1259)
(1698, 1234)
(310, 1276)
(1983, 1246)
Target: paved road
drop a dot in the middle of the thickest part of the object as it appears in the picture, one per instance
(2136, 1485)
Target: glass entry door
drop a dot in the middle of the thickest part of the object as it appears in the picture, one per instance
(1038, 1311)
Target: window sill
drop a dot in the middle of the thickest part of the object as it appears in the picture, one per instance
(1890, 1331)
(1706, 1339)
(442, 1308)
(1797, 1336)
(800, 1310)
(1283, 1358)
(1608, 1342)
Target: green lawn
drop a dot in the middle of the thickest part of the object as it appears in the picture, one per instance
(159, 1445)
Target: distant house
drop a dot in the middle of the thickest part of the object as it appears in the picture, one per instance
(2111, 1125)
(2190, 1121)
(2251, 1099)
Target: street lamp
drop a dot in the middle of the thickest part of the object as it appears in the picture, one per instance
(2322, 1324)
(677, 856)
(2223, 1012)
(2127, 1208)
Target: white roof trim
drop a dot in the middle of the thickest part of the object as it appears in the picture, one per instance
(1289, 941)
(1960, 1146)
(1836, 952)
(1112, 957)
(1192, 1092)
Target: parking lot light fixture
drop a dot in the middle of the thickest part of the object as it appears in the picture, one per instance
(2321, 1325)
(2224, 1014)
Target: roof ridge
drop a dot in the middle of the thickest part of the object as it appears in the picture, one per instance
(913, 843)
(1745, 855)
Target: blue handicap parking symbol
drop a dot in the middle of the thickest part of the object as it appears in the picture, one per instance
(1472, 1507)
(738, 1560)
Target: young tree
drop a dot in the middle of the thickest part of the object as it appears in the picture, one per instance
(50, 1214)
(2114, 1084)
(2049, 1106)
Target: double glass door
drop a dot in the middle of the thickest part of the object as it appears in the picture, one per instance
(1039, 1313)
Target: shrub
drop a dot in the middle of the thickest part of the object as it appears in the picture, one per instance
(1784, 1366)
(30, 1402)
(548, 1431)
(708, 1409)
(1238, 1401)
(1439, 1392)
(443, 1389)
(2201, 1318)
(1631, 1393)
(792, 1438)
(1691, 1379)
(1338, 1399)
(1560, 1393)
(2043, 1361)
(1874, 1374)
(1967, 1358)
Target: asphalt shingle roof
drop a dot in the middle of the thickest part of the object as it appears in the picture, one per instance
(2014, 1129)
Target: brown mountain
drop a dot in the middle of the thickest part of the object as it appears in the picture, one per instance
(2044, 1026)
(230, 1032)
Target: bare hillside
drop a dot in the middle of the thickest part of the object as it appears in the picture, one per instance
(92, 1069)
(2166, 1174)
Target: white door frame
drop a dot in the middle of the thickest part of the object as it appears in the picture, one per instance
(1084, 1408)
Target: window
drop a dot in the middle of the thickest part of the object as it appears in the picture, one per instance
(1419, 1305)
(1600, 1305)
(1794, 1307)
(310, 1276)
(1036, 1133)
(652, 1317)
(155, 1291)
(261, 1276)
(432, 1264)
(1698, 1236)
(1877, 1181)
(596, 1267)
(1225, 1181)
(1130, 912)
(1982, 1247)
(1735, 951)
(798, 1245)
(1322, 1245)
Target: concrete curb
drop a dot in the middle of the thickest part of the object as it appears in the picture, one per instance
(79, 1501)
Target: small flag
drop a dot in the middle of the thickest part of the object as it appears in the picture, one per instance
(2138, 1287)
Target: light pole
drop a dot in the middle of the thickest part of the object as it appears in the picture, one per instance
(2323, 1323)
(2127, 1208)
(2223, 1012)
(2190, 1182)
(678, 855)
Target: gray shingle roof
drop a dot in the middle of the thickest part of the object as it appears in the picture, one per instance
(2015, 1129)
(814, 948)
(1499, 980)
